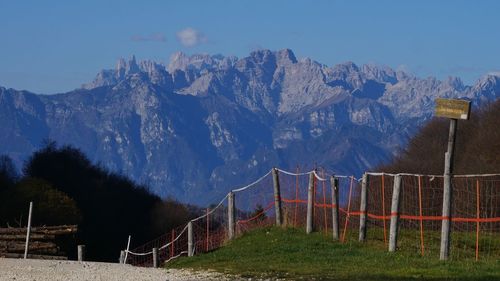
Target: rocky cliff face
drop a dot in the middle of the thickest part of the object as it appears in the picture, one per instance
(202, 124)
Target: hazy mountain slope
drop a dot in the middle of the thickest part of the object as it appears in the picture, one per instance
(202, 124)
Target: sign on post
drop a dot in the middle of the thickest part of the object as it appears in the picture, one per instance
(454, 109)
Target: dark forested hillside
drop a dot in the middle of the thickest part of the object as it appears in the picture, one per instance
(67, 188)
(477, 148)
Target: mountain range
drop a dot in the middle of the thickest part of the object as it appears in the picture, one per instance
(202, 124)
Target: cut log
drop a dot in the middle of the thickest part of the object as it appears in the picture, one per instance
(48, 230)
(35, 246)
(9, 237)
(12, 241)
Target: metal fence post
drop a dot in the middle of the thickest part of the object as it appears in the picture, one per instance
(363, 208)
(393, 232)
(310, 204)
(277, 198)
(334, 182)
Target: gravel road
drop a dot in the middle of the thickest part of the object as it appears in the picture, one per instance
(46, 270)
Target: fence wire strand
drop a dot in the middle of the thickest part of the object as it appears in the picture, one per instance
(475, 221)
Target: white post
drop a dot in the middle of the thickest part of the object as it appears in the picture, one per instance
(362, 208)
(126, 251)
(310, 204)
(28, 231)
(393, 232)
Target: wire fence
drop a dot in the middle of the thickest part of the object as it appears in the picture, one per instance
(475, 220)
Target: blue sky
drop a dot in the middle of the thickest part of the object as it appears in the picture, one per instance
(55, 46)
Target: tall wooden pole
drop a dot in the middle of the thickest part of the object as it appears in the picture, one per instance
(231, 215)
(393, 230)
(310, 204)
(334, 182)
(447, 192)
(277, 198)
(208, 230)
(28, 231)
(362, 208)
(190, 239)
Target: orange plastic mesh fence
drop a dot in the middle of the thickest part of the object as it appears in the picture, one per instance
(475, 227)
(379, 198)
(475, 214)
(178, 247)
(255, 206)
(209, 232)
(294, 195)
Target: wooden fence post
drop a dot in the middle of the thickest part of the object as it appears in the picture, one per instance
(190, 239)
(277, 198)
(81, 252)
(28, 231)
(393, 232)
(310, 204)
(334, 182)
(447, 192)
(155, 257)
(231, 215)
(363, 208)
(122, 257)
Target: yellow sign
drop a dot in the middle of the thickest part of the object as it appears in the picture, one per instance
(451, 108)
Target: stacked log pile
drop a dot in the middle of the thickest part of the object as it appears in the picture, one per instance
(42, 242)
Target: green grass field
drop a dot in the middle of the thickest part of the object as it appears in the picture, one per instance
(291, 254)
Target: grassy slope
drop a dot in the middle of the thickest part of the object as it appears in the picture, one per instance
(291, 254)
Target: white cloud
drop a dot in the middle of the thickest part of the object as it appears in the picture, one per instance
(190, 37)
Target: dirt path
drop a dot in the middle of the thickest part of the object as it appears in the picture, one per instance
(44, 270)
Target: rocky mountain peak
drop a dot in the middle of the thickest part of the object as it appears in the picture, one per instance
(285, 57)
(379, 73)
(214, 121)
(488, 87)
(124, 68)
(156, 72)
(262, 56)
(455, 82)
(491, 79)
(178, 60)
(196, 62)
